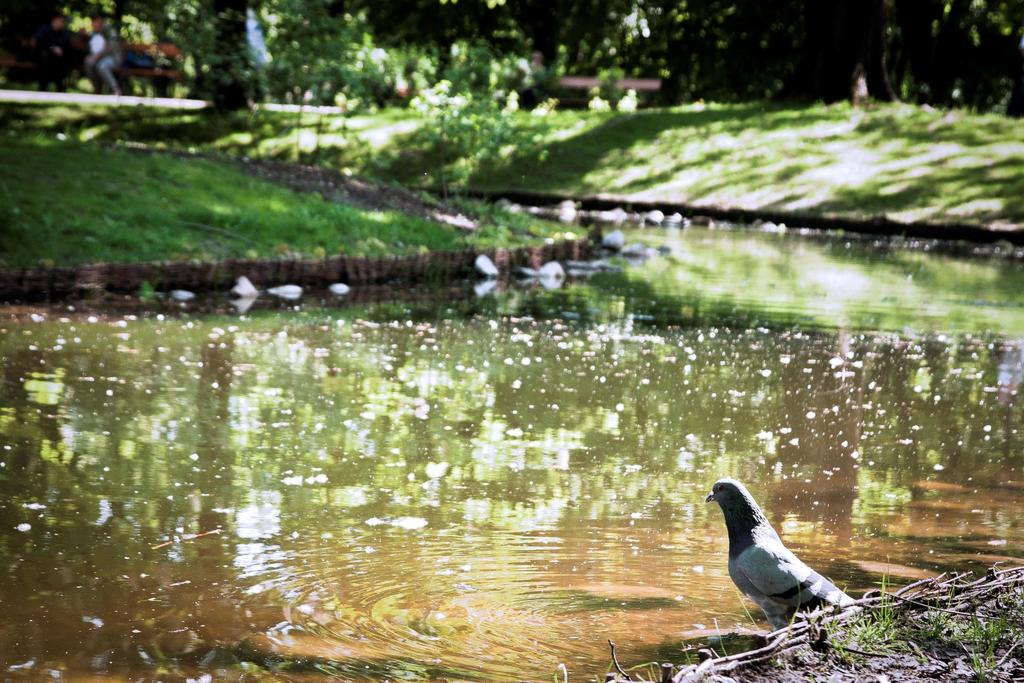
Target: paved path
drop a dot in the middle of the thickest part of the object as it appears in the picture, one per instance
(34, 96)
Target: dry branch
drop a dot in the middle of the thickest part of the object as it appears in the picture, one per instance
(185, 539)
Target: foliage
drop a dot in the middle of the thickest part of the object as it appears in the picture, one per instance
(323, 57)
(609, 88)
(949, 52)
(467, 111)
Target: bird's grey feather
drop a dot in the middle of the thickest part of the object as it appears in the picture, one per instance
(762, 567)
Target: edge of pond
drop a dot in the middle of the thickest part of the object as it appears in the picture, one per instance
(804, 649)
(875, 225)
(434, 267)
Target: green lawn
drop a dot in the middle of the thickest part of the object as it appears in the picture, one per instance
(904, 162)
(67, 202)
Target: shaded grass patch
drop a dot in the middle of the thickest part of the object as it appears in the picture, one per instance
(69, 202)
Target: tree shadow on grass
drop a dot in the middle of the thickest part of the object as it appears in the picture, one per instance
(272, 135)
(614, 144)
(977, 192)
(890, 160)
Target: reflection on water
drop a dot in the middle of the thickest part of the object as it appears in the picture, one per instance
(420, 496)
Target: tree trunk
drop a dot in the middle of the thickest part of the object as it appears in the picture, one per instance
(915, 19)
(948, 52)
(844, 52)
(231, 83)
(540, 21)
(118, 16)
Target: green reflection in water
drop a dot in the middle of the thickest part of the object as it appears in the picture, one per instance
(403, 495)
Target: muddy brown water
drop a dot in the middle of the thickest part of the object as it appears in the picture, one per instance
(488, 488)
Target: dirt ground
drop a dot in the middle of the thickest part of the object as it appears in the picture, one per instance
(962, 629)
(335, 186)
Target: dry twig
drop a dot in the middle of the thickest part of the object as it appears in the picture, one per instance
(183, 539)
(615, 662)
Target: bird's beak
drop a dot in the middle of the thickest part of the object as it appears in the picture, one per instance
(710, 498)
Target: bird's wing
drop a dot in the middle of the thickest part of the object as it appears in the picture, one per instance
(778, 574)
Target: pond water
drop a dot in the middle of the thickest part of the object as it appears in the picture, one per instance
(486, 488)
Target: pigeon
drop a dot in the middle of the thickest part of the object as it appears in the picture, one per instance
(762, 567)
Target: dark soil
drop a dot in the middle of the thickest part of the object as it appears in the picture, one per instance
(961, 629)
(333, 186)
(924, 645)
(933, 665)
(365, 194)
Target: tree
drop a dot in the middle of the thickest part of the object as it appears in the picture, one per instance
(539, 20)
(844, 51)
(231, 61)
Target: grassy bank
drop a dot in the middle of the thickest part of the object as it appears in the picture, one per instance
(68, 202)
(962, 628)
(901, 161)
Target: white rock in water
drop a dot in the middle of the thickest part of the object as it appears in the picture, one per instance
(550, 282)
(244, 289)
(182, 295)
(409, 523)
(638, 251)
(244, 303)
(339, 289)
(527, 272)
(616, 215)
(655, 216)
(436, 470)
(674, 218)
(613, 240)
(553, 270)
(567, 211)
(289, 292)
(485, 266)
(485, 287)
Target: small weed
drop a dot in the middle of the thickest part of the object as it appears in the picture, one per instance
(146, 292)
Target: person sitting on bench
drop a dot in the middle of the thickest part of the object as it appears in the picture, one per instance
(53, 52)
(104, 55)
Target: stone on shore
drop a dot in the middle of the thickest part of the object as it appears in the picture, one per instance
(552, 269)
(655, 216)
(485, 266)
(286, 292)
(244, 289)
(616, 216)
(614, 240)
(567, 211)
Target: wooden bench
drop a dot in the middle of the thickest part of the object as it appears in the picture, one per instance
(11, 62)
(166, 57)
(589, 82)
